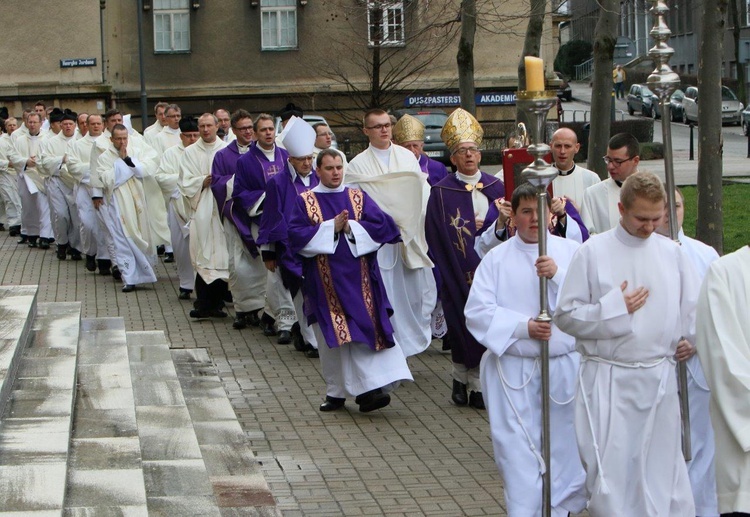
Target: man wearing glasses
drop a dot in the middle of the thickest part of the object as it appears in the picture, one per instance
(169, 136)
(599, 209)
(247, 276)
(391, 175)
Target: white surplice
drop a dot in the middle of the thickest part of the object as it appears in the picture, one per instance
(208, 243)
(701, 467)
(599, 211)
(11, 163)
(504, 296)
(627, 408)
(79, 161)
(401, 190)
(573, 184)
(126, 216)
(723, 341)
(60, 184)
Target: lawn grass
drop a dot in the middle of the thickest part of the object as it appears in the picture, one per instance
(736, 207)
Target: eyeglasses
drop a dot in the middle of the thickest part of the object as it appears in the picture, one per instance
(327, 133)
(174, 115)
(243, 128)
(380, 126)
(463, 150)
(615, 161)
(302, 158)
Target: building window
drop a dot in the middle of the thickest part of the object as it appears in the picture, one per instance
(278, 21)
(171, 26)
(386, 22)
(747, 13)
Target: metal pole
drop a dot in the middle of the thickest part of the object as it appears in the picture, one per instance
(692, 144)
(102, 6)
(144, 95)
(536, 105)
(663, 81)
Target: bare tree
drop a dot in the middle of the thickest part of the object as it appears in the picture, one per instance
(710, 226)
(379, 70)
(465, 55)
(605, 37)
(533, 40)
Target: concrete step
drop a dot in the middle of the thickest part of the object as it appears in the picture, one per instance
(36, 422)
(105, 475)
(17, 309)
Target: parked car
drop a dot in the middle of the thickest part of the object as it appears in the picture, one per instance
(312, 120)
(433, 120)
(731, 107)
(675, 103)
(745, 116)
(640, 99)
(563, 89)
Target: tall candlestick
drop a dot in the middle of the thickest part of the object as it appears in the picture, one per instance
(534, 73)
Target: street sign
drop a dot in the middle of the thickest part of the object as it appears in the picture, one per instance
(481, 99)
(77, 62)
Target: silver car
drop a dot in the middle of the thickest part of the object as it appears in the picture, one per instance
(731, 107)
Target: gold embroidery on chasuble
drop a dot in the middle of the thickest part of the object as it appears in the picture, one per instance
(459, 224)
(357, 200)
(338, 318)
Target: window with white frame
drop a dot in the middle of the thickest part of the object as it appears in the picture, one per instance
(278, 23)
(171, 26)
(386, 23)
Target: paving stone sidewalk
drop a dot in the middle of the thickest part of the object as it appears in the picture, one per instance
(419, 456)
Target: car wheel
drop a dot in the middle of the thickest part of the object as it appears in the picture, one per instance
(744, 128)
(569, 96)
(631, 112)
(685, 118)
(654, 113)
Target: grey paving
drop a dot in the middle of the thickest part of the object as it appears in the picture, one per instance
(17, 309)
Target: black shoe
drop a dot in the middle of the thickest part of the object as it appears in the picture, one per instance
(285, 337)
(446, 343)
(160, 249)
(168, 257)
(240, 320)
(74, 254)
(217, 313)
(62, 251)
(129, 288)
(476, 400)
(184, 294)
(44, 243)
(332, 404)
(458, 396)
(14, 230)
(105, 266)
(297, 340)
(23, 240)
(267, 325)
(90, 263)
(199, 314)
(116, 273)
(252, 318)
(33, 241)
(311, 351)
(373, 400)
(2, 227)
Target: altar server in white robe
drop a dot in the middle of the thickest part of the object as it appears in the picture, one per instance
(599, 211)
(208, 244)
(79, 162)
(628, 299)
(60, 183)
(701, 467)
(500, 312)
(11, 164)
(723, 344)
(572, 180)
(36, 226)
(391, 175)
(167, 176)
(127, 218)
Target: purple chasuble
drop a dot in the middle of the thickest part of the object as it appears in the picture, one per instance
(450, 229)
(281, 192)
(435, 170)
(344, 294)
(253, 172)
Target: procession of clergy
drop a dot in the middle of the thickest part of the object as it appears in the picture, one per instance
(363, 263)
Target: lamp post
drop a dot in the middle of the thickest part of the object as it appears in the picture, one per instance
(144, 95)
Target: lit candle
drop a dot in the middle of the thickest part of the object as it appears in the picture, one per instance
(534, 73)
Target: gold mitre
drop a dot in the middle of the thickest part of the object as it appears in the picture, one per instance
(460, 127)
(408, 129)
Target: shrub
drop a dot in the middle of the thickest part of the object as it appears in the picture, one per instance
(571, 54)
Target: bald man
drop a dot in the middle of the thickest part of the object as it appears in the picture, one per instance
(573, 179)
